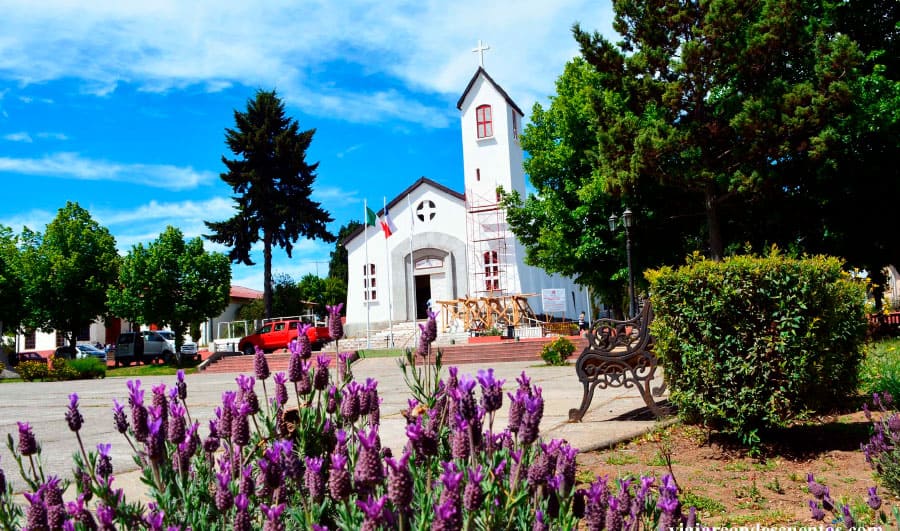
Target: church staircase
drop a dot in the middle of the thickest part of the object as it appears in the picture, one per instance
(460, 353)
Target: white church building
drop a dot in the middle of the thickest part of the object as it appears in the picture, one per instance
(451, 245)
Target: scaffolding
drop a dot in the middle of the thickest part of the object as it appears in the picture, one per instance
(491, 247)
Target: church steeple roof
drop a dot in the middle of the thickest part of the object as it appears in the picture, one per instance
(482, 71)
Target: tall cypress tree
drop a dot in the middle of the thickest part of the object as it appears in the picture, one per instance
(272, 183)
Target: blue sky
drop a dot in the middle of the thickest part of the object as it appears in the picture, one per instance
(122, 106)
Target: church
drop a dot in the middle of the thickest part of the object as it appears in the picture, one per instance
(439, 248)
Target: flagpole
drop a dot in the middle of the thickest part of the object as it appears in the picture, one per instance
(412, 266)
(387, 257)
(366, 276)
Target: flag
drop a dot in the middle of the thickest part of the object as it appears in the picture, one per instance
(370, 217)
(387, 225)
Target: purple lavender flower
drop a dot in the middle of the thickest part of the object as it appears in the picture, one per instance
(373, 511)
(315, 482)
(331, 405)
(273, 517)
(81, 515)
(473, 495)
(73, 416)
(335, 326)
(874, 500)
(516, 410)
(368, 464)
(304, 384)
(107, 517)
(119, 419)
(138, 410)
(37, 512)
(248, 395)
(849, 522)
(226, 414)
(459, 439)
(339, 479)
(343, 366)
(491, 390)
(240, 425)
(815, 488)
(540, 525)
(320, 379)
(281, 392)
(596, 498)
(566, 467)
(27, 443)
(177, 425)
(817, 513)
(260, 365)
(160, 401)
(304, 348)
(53, 501)
(295, 365)
(155, 518)
(104, 467)
(241, 516)
(446, 517)
(181, 385)
(400, 482)
(224, 498)
(350, 402)
(531, 419)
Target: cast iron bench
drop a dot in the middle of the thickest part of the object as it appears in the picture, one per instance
(619, 354)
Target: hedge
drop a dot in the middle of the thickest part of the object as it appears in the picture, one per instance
(748, 343)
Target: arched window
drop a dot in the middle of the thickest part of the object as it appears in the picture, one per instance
(369, 282)
(491, 271)
(484, 121)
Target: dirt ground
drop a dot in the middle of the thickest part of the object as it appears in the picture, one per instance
(729, 487)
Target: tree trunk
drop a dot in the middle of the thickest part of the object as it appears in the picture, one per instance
(716, 246)
(267, 276)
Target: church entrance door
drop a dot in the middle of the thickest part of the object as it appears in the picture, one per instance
(423, 295)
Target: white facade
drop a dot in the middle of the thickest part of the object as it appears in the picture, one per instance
(450, 245)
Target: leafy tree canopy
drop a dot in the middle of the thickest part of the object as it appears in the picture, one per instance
(730, 121)
(66, 272)
(171, 282)
(337, 266)
(12, 309)
(272, 183)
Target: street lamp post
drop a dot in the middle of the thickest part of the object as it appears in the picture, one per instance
(628, 222)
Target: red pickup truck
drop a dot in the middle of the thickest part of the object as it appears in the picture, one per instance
(275, 335)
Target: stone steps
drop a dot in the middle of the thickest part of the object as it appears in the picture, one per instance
(457, 354)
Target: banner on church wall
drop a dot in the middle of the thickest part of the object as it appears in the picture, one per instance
(553, 300)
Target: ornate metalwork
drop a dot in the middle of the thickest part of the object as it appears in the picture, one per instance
(619, 354)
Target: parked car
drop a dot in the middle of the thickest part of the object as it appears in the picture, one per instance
(278, 334)
(90, 351)
(190, 351)
(143, 347)
(66, 352)
(15, 358)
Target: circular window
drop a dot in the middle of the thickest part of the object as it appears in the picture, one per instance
(426, 210)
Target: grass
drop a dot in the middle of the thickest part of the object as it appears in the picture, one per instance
(148, 370)
(619, 459)
(382, 353)
(704, 505)
(880, 368)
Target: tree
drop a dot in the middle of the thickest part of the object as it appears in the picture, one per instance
(12, 309)
(337, 265)
(172, 283)
(67, 271)
(564, 226)
(719, 100)
(272, 183)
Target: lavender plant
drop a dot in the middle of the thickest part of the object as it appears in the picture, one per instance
(422, 378)
(321, 465)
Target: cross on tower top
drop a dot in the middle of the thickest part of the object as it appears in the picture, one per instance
(480, 51)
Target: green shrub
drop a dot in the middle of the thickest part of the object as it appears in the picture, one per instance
(32, 370)
(749, 342)
(61, 369)
(557, 351)
(88, 368)
(880, 369)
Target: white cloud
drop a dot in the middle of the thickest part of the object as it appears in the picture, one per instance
(421, 45)
(74, 166)
(19, 137)
(53, 136)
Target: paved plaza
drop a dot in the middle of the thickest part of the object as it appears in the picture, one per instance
(611, 418)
